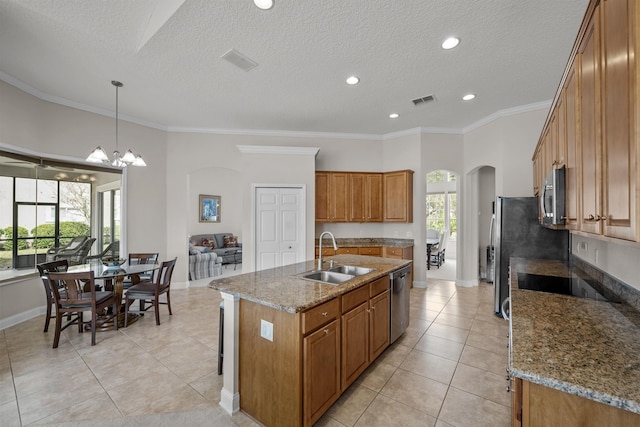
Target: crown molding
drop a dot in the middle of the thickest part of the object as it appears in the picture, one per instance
(507, 112)
(277, 133)
(280, 150)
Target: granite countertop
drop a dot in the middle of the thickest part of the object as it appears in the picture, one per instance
(358, 242)
(279, 288)
(580, 346)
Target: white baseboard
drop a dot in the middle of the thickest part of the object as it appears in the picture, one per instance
(467, 283)
(22, 317)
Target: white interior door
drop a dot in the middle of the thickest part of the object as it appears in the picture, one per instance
(280, 226)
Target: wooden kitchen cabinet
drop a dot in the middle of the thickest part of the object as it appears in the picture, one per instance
(365, 191)
(399, 253)
(570, 96)
(398, 196)
(366, 321)
(370, 250)
(540, 406)
(595, 115)
(346, 250)
(332, 196)
(321, 360)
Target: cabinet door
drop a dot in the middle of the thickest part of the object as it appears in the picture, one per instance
(379, 324)
(398, 196)
(571, 179)
(339, 197)
(321, 360)
(561, 135)
(357, 197)
(619, 168)
(322, 197)
(589, 91)
(373, 198)
(355, 343)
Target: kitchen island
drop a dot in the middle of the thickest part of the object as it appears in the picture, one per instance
(292, 346)
(575, 361)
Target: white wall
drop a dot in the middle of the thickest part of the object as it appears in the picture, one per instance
(486, 198)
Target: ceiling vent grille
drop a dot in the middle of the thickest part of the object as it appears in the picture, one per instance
(239, 60)
(424, 99)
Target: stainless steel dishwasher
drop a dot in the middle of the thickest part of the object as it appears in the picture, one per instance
(400, 286)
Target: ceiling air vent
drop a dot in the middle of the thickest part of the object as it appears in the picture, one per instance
(239, 60)
(428, 98)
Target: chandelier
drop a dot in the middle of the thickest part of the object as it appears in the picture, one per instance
(98, 155)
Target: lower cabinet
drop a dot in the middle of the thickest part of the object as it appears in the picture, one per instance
(313, 356)
(321, 355)
(536, 405)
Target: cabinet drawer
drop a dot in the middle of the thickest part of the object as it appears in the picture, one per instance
(353, 251)
(318, 316)
(379, 286)
(370, 251)
(394, 252)
(355, 298)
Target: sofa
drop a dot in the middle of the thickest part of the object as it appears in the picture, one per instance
(207, 253)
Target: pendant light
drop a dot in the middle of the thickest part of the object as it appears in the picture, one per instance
(100, 156)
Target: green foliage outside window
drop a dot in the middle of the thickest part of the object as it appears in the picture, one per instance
(67, 229)
(22, 244)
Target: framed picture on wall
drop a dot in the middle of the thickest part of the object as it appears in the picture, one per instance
(209, 208)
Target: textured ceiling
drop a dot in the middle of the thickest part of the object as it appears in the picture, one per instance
(167, 54)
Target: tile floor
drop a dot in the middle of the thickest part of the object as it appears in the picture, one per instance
(447, 370)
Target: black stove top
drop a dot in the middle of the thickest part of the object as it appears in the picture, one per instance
(574, 286)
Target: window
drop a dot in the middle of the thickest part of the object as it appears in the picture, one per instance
(441, 201)
(44, 204)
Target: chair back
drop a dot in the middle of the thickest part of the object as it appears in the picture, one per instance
(73, 289)
(444, 240)
(45, 268)
(143, 258)
(432, 233)
(163, 278)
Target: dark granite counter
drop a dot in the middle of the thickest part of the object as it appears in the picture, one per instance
(281, 289)
(580, 346)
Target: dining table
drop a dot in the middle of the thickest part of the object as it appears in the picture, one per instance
(430, 243)
(113, 277)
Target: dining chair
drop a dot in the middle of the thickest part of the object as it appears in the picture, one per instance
(137, 259)
(75, 293)
(149, 292)
(44, 269)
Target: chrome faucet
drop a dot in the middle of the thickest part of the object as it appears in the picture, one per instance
(335, 246)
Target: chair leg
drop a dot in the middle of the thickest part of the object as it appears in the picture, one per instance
(56, 337)
(126, 311)
(169, 301)
(115, 315)
(94, 315)
(48, 318)
(80, 322)
(156, 307)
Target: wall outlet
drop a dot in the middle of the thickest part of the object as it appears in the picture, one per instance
(266, 330)
(409, 234)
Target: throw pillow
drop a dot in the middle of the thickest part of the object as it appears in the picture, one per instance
(193, 250)
(210, 243)
(230, 241)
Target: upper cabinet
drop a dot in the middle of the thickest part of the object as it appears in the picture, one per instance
(364, 196)
(398, 196)
(332, 196)
(593, 125)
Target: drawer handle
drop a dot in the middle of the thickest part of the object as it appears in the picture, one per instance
(325, 313)
(326, 332)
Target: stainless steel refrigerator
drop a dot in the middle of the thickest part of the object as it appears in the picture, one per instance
(517, 233)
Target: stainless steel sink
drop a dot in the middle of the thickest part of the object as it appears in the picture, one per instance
(329, 277)
(351, 269)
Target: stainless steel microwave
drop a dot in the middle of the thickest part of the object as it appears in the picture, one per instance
(552, 199)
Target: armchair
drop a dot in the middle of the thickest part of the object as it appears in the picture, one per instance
(75, 256)
(73, 244)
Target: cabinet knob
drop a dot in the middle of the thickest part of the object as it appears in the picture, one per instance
(590, 218)
(508, 389)
(368, 311)
(325, 313)
(326, 332)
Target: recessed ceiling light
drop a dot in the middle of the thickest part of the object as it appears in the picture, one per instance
(450, 43)
(468, 97)
(353, 80)
(263, 4)
(394, 115)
